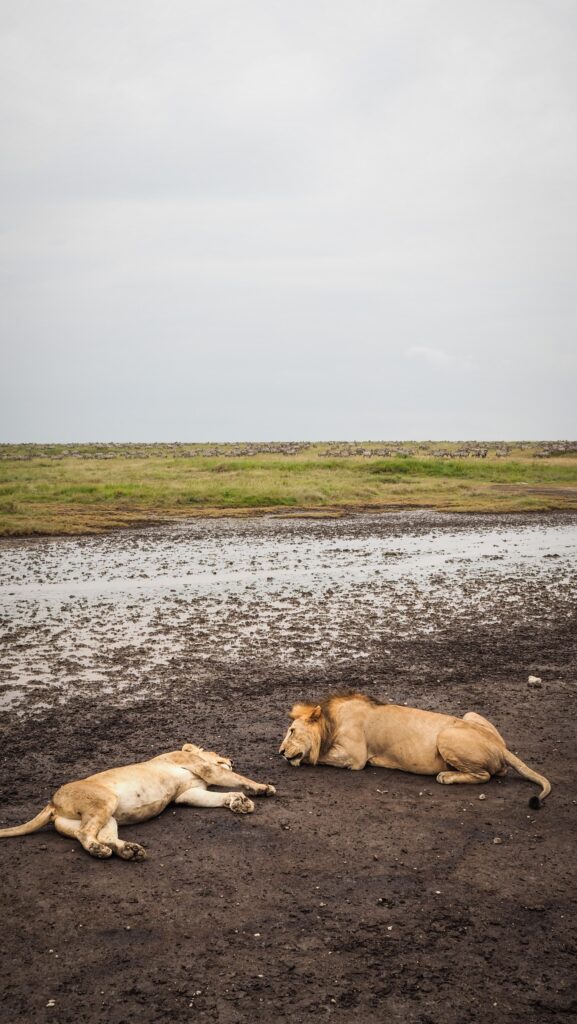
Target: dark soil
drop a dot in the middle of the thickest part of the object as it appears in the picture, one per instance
(372, 896)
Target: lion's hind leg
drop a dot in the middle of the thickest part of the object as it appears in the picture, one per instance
(474, 753)
(97, 809)
(73, 828)
(67, 826)
(94, 804)
(107, 838)
(128, 851)
(476, 719)
(448, 778)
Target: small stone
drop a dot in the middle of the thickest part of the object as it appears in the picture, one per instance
(534, 679)
(256, 935)
(51, 1002)
(497, 841)
(482, 796)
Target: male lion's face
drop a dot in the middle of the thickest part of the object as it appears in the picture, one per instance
(299, 739)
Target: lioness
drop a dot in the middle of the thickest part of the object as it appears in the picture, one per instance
(91, 809)
(353, 730)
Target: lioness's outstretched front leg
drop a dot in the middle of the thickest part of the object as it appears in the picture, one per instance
(196, 797)
(214, 775)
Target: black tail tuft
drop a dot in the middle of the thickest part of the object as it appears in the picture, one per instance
(535, 803)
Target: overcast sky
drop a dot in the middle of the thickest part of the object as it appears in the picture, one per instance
(225, 219)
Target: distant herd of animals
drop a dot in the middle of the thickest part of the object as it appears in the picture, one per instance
(346, 731)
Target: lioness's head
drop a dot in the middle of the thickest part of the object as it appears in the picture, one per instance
(303, 739)
(208, 755)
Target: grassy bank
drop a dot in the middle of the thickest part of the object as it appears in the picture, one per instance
(85, 493)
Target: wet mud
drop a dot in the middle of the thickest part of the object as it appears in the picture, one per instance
(365, 896)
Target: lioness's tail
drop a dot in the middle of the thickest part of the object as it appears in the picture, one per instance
(528, 773)
(46, 815)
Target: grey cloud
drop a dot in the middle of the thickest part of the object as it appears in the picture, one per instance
(269, 220)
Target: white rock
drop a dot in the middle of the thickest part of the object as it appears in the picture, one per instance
(534, 679)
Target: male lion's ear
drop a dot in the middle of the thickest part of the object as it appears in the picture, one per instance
(315, 714)
(300, 710)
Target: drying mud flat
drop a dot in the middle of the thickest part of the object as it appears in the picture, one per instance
(365, 896)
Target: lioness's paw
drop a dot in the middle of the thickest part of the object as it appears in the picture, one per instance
(241, 804)
(131, 851)
(99, 850)
(445, 777)
(269, 791)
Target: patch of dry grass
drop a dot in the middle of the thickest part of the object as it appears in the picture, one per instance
(87, 494)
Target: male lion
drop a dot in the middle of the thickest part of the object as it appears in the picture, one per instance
(91, 809)
(353, 730)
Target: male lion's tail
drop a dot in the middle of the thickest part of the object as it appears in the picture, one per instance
(536, 801)
(46, 815)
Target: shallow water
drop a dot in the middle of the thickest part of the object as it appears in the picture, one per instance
(115, 610)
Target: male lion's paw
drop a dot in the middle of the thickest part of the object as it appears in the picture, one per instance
(269, 791)
(99, 850)
(241, 804)
(131, 851)
(445, 777)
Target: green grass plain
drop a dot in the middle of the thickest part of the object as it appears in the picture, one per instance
(102, 487)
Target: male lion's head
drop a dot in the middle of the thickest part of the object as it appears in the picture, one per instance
(304, 737)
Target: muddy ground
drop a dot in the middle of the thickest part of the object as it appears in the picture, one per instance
(372, 896)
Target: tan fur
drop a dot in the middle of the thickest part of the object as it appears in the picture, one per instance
(91, 809)
(352, 730)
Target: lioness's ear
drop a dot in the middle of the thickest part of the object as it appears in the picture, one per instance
(300, 710)
(315, 714)
(188, 746)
